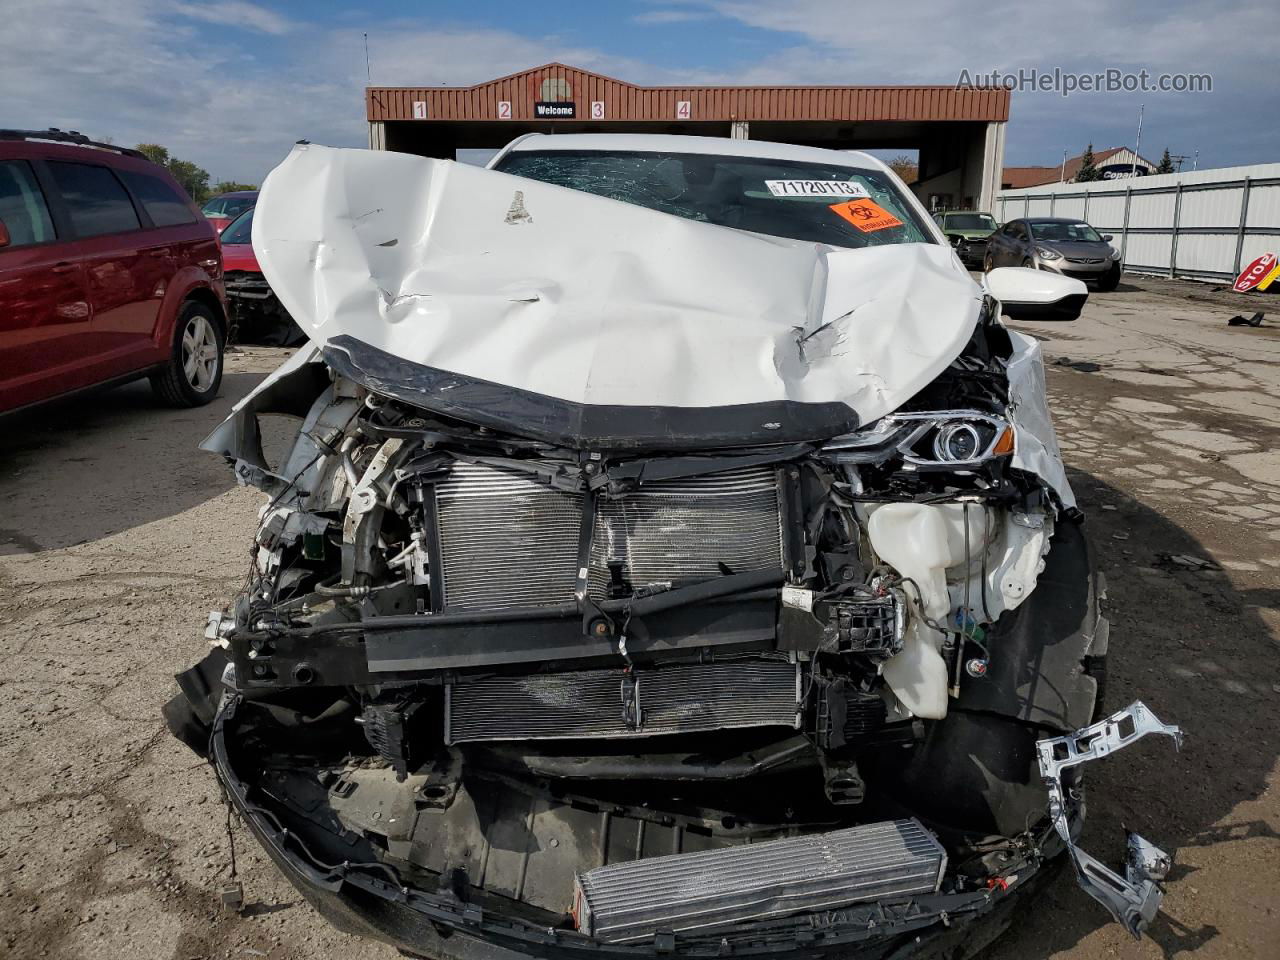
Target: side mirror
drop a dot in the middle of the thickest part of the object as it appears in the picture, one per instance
(1107, 237)
(1027, 294)
(4, 235)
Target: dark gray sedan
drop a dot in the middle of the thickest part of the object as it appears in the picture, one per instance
(1059, 244)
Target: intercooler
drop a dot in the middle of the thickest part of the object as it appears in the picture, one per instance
(706, 890)
(508, 540)
(680, 698)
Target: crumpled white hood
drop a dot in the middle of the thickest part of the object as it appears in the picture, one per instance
(593, 301)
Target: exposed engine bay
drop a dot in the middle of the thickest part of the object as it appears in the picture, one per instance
(820, 695)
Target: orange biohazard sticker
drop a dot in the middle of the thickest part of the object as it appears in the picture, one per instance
(867, 215)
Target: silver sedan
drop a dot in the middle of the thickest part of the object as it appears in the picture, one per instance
(1058, 244)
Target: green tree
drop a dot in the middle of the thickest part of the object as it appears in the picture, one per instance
(1088, 171)
(230, 186)
(194, 179)
(1166, 163)
(154, 152)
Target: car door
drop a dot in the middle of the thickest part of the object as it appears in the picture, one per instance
(124, 275)
(44, 310)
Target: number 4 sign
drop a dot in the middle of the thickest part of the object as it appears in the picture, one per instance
(684, 110)
(504, 109)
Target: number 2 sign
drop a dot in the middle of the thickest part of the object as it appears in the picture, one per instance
(684, 110)
(504, 109)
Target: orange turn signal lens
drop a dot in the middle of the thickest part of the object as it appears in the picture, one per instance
(1004, 446)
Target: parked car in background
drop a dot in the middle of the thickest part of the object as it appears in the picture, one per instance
(257, 316)
(225, 207)
(108, 273)
(967, 231)
(1059, 244)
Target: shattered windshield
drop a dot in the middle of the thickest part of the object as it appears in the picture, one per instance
(820, 203)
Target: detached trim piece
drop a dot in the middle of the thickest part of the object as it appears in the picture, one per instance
(1133, 899)
(585, 425)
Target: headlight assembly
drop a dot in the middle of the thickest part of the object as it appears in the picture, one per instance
(1048, 253)
(949, 439)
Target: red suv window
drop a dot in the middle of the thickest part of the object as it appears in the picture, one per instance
(164, 205)
(22, 206)
(96, 201)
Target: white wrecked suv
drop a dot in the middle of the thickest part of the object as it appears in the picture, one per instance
(674, 558)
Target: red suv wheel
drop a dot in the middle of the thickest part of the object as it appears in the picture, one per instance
(194, 372)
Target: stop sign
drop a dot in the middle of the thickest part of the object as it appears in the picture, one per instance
(1254, 273)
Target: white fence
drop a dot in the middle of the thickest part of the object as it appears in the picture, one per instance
(1207, 224)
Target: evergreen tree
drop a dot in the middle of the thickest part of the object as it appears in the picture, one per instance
(1166, 163)
(1088, 171)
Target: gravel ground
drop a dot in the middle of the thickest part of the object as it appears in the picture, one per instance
(117, 536)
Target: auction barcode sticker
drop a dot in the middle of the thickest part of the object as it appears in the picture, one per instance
(816, 188)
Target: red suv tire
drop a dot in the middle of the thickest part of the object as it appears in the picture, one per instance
(194, 371)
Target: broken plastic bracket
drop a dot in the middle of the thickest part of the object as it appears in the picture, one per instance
(1133, 899)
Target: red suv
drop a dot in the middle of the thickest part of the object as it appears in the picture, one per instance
(108, 273)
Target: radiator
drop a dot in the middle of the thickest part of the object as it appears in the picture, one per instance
(707, 890)
(689, 529)
(507, 540)
(681, 698)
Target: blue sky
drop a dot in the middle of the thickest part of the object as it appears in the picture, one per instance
(232, 84)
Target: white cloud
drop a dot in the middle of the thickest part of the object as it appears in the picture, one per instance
(934, 39)
(659, 17)
(931, 41)
(137, 72)
(236, 13)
